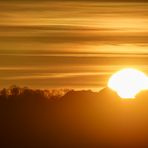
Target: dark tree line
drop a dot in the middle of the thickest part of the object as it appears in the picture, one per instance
(25, 92)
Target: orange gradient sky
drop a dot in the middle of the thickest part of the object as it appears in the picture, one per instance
(70, 44)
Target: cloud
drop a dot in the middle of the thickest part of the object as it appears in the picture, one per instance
(70, 36)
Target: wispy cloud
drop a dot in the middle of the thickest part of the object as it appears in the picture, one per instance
(70, 43)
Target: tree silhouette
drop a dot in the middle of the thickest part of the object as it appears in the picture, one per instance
(15, 90)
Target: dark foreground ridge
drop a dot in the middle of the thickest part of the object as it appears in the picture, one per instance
(78, 119)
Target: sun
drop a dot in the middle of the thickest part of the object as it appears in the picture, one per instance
(128, 82)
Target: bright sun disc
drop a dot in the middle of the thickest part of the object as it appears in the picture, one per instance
(128, 82)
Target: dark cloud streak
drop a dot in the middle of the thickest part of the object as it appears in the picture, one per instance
(78, 1)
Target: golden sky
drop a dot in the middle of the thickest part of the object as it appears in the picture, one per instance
(70, 44)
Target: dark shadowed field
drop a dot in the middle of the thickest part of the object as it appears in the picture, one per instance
(78, 119)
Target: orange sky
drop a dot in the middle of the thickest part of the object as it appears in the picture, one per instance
(70, 44)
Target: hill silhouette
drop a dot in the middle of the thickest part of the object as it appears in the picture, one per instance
(41, 118)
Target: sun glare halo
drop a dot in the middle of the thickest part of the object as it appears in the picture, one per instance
(128, 82)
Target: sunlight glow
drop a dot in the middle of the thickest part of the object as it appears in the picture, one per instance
(128, 82)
